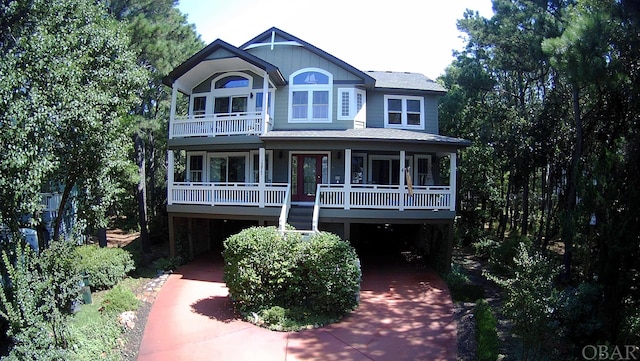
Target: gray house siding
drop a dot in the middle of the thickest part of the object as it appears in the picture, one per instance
(375, 110)
(291, 59)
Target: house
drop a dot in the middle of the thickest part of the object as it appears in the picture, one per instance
(280, 132)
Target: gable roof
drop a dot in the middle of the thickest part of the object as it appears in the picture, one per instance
(220, 45)
(405, 80)
(266, 37)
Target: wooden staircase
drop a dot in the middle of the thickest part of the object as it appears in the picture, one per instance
(300, 217)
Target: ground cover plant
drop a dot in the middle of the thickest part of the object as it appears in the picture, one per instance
(283, 282)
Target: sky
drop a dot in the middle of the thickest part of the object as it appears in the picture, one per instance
(394, 35)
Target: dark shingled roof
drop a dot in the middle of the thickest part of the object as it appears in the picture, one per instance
(405, 80)
(378, 134)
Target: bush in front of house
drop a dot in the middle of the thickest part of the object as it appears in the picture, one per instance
(286, 283)
(35, 299)
(105, 266)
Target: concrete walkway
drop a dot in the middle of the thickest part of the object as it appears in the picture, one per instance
(404, 314)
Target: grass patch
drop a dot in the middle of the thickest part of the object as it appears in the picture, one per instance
(93, 335)
(486, 332)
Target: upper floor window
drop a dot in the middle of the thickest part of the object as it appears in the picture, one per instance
(310, 94)
(403, 112)
(233, 81)
(351, 103)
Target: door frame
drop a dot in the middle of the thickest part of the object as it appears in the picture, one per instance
(302, 152)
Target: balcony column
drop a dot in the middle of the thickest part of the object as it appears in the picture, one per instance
(172, 116)
(265, 102)
(261, 176)
(453, 157)
(170, 173)
(402, 180)
(347, 179)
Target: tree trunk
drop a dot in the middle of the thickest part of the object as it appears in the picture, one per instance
(141, 193)
(524, 227)
(63, 203)
(568, 232)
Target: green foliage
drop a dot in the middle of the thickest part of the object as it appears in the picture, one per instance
(118, 300)
(578, 313)
(71, 79)
(532, 302)
(36, 298)
(486, 332)
(105, 266)
(264, 269)
(460, 285)
(328, 274)
(93, 335)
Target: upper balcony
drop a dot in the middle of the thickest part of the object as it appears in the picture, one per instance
(213, 125)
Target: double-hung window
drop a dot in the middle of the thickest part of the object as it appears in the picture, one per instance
(403, 112)
(310, 95)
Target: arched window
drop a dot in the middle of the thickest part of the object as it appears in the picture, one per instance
(231, 93)
(310, 95)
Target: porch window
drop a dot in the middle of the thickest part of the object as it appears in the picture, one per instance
(199, 106)
(233, 104)
(227, 169)
(424, 173)
(403, 112)
(259, 96)
(386, 169)
(310, 96)
(255, 166)
(195, 169)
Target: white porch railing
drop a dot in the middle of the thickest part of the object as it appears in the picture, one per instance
(364, 196)
(212, 125)
(284, 212)
(227, 194)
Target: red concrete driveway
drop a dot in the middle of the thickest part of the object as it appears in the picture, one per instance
(405, 313)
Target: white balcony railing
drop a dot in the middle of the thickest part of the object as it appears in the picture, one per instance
(228, 194)
(212, 125)
(385, 197)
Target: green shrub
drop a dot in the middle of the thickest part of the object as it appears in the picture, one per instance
(259, 265)
(105, 266)
(532, 302)
(329, 273)
(263, 269)
(118, 300)
(486, 332)
(36, 299)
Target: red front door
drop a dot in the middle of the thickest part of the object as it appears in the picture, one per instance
(307, 171)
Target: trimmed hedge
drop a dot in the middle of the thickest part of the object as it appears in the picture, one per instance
(105, 266)
(264, 269)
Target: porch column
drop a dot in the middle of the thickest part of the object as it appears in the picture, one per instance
(174, 100)
(347, 179)
(261, 176)
(170, 170)
(452, 179)
(402, 181)
(265, 102)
